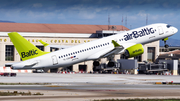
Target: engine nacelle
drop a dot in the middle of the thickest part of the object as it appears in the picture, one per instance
(134, 51)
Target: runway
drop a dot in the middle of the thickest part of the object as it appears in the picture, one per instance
(86, 87)
(88, 78)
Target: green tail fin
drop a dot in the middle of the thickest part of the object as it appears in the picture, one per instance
(25, 49)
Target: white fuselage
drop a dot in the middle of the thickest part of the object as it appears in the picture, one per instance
(95, 49)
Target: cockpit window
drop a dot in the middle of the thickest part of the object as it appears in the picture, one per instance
(168, 26)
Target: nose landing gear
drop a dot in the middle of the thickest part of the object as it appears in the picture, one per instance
(165, 45)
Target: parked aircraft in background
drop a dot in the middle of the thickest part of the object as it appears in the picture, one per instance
(129, 43)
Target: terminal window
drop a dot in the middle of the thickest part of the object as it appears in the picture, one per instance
(139, 58)
(151, 54)
(9, 56)
(53, 49)
(40, 47)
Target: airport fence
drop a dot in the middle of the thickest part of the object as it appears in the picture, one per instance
(9, 70)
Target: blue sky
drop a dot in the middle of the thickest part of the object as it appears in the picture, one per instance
(92, 12)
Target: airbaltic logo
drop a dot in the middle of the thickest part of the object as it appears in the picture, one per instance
(137, 50)
(136, 34)
(30, 53)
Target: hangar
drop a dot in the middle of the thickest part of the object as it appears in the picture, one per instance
(65, 35)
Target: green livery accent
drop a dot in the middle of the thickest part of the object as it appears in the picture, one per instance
(135, 50)
(25, 49)
(44, 43)
(115, 43)
(165, 39)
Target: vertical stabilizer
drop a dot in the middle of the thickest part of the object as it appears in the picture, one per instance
(25, 49)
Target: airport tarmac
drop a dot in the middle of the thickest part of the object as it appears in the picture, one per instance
(86, 87)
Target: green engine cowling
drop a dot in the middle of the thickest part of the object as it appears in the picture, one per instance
(134, 50)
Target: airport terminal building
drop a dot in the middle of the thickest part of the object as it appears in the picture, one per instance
(64, 35)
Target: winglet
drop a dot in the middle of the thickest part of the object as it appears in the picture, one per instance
(115, 43)
(44, 43)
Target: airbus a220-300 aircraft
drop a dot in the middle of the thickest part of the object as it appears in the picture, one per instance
(129, 43)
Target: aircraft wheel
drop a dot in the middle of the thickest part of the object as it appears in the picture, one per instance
(95, 63)
(166, 46)
(111, 64)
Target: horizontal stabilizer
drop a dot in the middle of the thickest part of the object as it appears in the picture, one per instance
(30, 65)
(10, 64)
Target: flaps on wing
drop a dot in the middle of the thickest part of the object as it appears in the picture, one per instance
(53, 46)
(116, 50)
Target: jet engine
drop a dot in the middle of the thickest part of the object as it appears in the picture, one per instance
(134, 50)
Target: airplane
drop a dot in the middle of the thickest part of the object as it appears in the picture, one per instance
(129, 43)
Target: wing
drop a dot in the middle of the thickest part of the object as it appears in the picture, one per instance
(118, 49)
(54, 46)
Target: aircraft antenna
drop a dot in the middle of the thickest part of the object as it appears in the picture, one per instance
(126, 21)
(108, 22)
(122, 23)
(146, 19)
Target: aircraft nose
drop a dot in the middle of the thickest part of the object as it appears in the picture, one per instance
(175, 30)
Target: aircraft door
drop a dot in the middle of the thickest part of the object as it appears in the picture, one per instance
(160, 30)
(54, 60)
